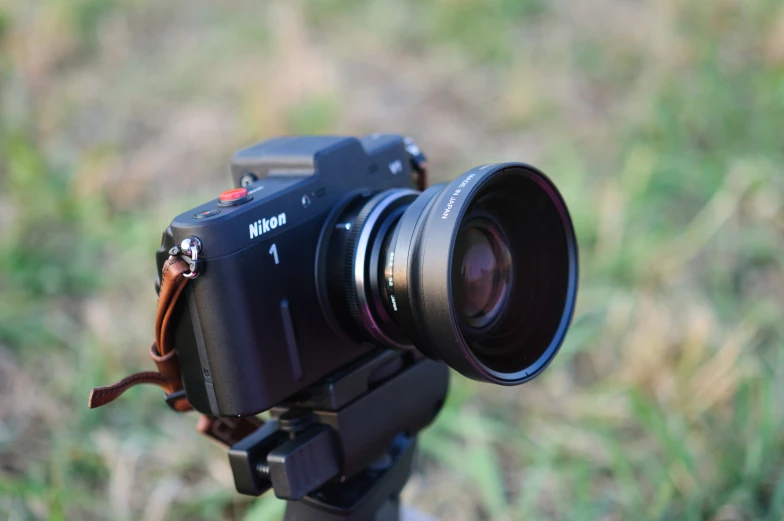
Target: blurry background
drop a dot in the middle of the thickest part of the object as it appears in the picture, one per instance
(662, 122)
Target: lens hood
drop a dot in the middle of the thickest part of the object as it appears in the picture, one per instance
(424, 273)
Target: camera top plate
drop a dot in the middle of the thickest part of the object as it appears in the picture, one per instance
(291, 180)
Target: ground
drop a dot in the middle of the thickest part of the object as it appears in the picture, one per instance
(662, 122)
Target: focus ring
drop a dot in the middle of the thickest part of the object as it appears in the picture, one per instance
(361, 258)
(349, 281)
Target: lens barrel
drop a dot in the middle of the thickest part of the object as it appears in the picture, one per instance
(481, 272)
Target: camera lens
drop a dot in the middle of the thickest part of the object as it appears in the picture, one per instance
(480, 273)
(483, 272)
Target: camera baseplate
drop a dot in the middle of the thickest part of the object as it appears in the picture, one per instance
(343, 448)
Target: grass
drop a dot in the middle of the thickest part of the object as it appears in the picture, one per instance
(661, 121)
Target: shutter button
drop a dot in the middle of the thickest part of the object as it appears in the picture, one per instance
(234, 197)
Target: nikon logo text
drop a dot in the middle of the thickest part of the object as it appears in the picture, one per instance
(262, 226)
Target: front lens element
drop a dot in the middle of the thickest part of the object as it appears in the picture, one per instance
(485, 270)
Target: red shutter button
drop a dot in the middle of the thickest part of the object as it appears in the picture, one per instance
(233, 197)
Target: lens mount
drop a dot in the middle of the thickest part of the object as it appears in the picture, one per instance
(373, 222)
(353, 256)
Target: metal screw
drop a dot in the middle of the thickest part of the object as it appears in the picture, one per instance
(206, 373)
(247, 180)
(305, 200)
(263, 469)
(295, 420)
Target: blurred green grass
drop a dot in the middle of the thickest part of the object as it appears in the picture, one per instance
(661, 121)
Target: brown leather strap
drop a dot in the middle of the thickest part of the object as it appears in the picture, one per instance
(172, 284)
(103, 395)
(162, 350)
(227, 431)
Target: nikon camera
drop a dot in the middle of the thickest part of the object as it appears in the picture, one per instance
(325, 251)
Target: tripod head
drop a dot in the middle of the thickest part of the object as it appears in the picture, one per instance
(342, 450)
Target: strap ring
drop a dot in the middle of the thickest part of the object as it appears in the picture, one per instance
(191, 246)
(171, 399)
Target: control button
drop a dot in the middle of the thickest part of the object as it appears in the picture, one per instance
(233, 194)
(206, 213)
(234, 197)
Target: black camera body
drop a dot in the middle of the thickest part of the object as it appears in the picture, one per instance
(328, 285)
(327, 250)
(250, 331)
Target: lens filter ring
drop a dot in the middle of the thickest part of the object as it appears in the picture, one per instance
(529, 322)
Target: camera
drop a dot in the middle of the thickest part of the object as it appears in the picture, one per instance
(326, 251)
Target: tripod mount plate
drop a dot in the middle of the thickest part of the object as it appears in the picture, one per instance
(341, 429)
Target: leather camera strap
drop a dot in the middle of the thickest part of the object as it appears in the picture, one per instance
(224, 430)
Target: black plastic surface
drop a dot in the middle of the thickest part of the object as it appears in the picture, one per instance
(239, 358)
(304, 447)
(406, 403)
(304, 463)
(245, 456)
(373, 495)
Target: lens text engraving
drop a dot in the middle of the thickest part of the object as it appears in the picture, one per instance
(456, 193)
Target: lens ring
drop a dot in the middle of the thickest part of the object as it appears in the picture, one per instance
(404, 265)
(429, 293)
(358, 266)
(326, 267)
